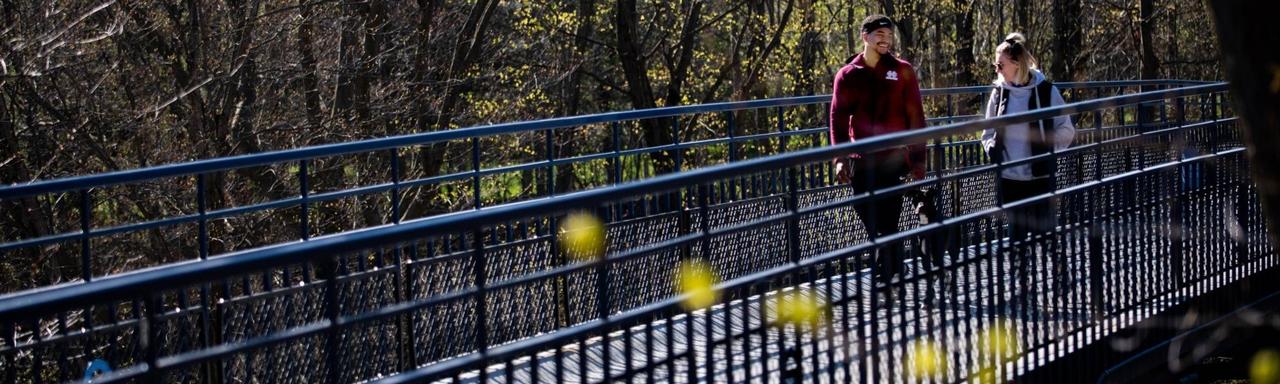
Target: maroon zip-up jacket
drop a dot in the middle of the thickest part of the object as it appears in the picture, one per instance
(868, 101)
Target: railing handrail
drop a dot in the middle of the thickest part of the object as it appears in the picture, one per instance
(25, 304)
(72, 183)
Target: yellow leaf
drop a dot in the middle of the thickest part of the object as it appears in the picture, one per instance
(696, 279)
(926, 358)
(998, 342)
(1265, 367)
(803, 309)
(582, 236)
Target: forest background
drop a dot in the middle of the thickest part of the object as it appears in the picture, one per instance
(97, 86)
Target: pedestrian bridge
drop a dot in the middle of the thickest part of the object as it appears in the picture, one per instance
(1156, 210)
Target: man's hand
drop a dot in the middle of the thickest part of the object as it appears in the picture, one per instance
(844, 170)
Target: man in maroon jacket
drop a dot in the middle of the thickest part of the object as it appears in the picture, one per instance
(877, 93)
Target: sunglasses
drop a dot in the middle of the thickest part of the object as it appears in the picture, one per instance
(999, 66)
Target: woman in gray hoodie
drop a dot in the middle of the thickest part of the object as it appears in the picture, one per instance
(1020, 87)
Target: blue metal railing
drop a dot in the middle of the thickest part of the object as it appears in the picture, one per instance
(111, 230)
(466, 296)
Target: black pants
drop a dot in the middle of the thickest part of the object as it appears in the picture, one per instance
(1027, 224)
(1028, 220)
(880, 215)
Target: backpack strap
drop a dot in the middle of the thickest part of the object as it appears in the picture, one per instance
(1044, 98)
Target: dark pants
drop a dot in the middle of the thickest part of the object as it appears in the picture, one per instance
(880, 215)
(1027, 223)
(1030, 219)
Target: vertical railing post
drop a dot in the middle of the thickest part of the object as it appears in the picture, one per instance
(475, 173)
(616, 160)
(782, 124)
(395, 185)
(1213, 114)
(305, 193)
(675, 142)
(684, 224)
(704, 243)
(1177, 231)
(328, 270)
(86, 215)
(733, 141)
(150, 332)
(7, 329)
(1240, 246)
(1177, 224)
(1095, 260)
(604, 303)
(793, 222)
(86, 266)
(550, 183)
(206, 339)
(404, 325)
(481, 270)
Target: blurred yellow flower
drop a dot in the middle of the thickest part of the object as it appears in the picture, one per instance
(696, 279)
(801, 308)
(984, 376)
(1265, 367)
(582, 236)
(926, 359)
(999, 342)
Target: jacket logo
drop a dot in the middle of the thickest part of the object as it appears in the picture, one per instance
(891, 75)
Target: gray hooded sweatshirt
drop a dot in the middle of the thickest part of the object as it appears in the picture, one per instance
(1017, 135)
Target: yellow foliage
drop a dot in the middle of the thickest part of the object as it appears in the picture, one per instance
(999, 342)
(582, 236)
(803, 309)
(926, 359)
(1265, 367)
(696, 279)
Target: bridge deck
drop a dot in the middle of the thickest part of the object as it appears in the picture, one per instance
(735, 341)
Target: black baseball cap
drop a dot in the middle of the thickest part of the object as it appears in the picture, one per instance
(874, 22)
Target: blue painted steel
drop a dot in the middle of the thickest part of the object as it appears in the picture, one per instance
(95, 368)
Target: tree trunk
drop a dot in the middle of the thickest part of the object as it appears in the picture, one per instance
(346, 59)
(1023, 9)
(1066, 40)
(688, 40)
(810, 50)
(746, 85)
(372, 18)
(1150, 67)
(1171, 71)
(579, 57)
(998, 6)
(310, 76)
(964, 44)
(965, 60)
(586, 12)
(639, 90)
(465, 49)
(422, 202)
(1246, 33)
(468, 45)
(906, 28)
